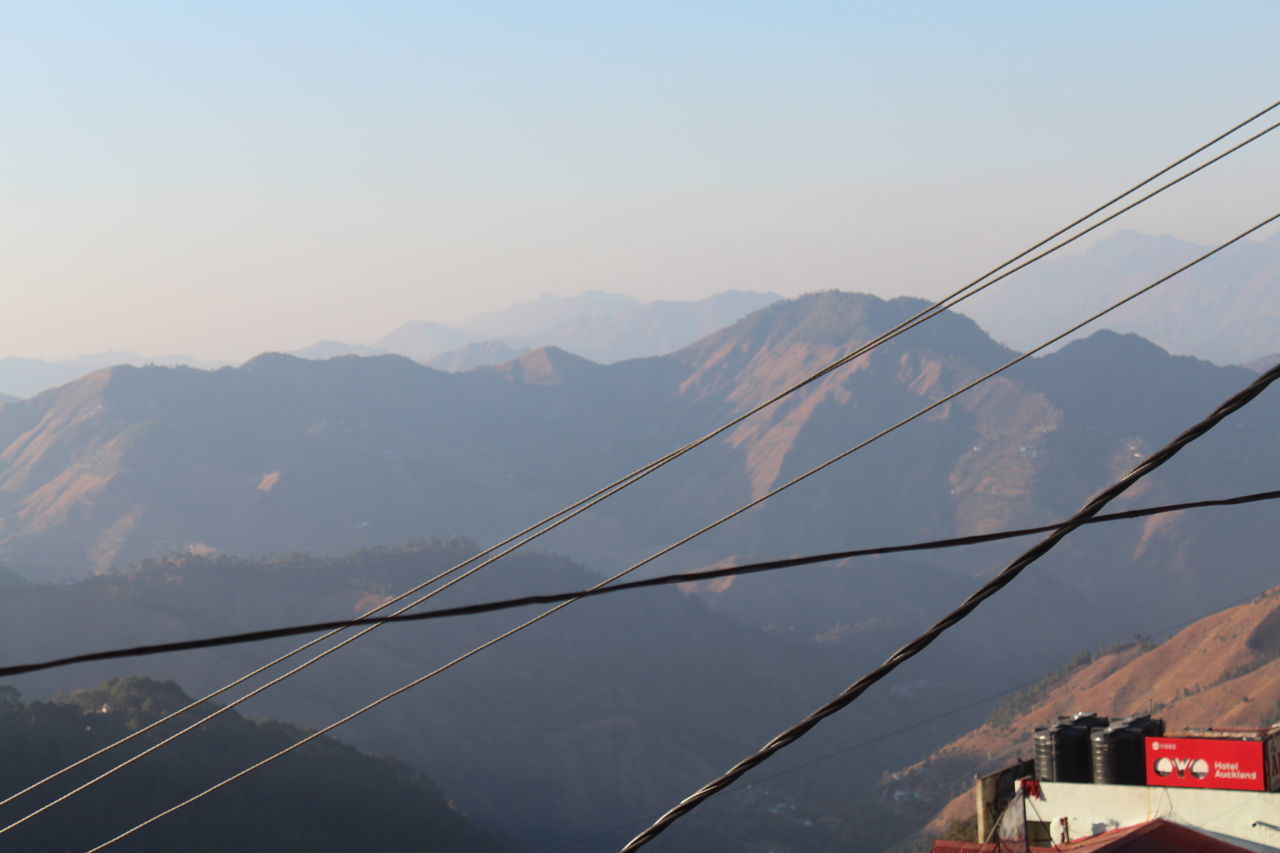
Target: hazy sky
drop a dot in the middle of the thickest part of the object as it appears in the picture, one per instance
(225, 178)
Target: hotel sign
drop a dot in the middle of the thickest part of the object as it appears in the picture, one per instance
(1201, 762)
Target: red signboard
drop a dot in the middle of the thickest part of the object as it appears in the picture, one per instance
(1201, 762)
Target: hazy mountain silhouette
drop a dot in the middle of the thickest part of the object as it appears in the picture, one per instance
(24, 377)
(601, 326)
(1264, 363)
(285, 454)
(1226, 309)
(333, 349)
(477, 354)
(423, 341)
(606, 327)
(548, 313)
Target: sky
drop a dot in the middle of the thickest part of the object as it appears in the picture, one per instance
(221, 179)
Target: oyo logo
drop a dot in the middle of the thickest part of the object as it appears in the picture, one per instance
(1166, 766)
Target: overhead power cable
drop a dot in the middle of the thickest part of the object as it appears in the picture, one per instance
(1091, 508)
(862, 744)
(499, 638)
(661, 580)
(553, 521)
(950, 712)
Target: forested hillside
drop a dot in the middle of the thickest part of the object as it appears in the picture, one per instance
(590, 720)
(326, 797)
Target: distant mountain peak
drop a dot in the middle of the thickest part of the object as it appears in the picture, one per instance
(478, 354)
(602, 326)
(1130, 237)
(547, 366)
(1107, 343)
(1226, 309)
(332, 349)
(1126, 245)
(840, 320)
(422, 340)
(270, 360)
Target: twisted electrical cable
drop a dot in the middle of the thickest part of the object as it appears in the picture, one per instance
(571, 511)
(499, 638)
(895, 732)
(1091, 508)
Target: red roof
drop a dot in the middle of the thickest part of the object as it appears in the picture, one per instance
(1155, 836)
(976, 847)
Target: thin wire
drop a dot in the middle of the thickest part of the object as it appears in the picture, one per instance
(608, 491)
(903, 327)
(414, 683)
(1091, 507)
(661, 580)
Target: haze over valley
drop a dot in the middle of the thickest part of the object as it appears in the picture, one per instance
(314, 314)
(153, 502)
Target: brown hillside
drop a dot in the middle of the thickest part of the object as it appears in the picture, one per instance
(284, 454)
(1221, 671)
(546, 366)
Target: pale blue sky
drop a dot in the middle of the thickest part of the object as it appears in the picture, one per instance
(225, 178)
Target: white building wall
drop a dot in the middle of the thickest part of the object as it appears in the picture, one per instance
(1249, 819)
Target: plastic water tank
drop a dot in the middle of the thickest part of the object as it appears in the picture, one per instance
(1149, 726)
(1118, 755)
(1062, 753)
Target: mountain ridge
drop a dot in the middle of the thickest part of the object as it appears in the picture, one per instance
(354, 451)
(1225, 309)
(597, 325)
(285, 454)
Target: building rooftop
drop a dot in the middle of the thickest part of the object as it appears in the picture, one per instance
(1153, 836)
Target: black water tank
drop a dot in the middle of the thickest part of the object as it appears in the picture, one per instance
(1062, 753)
(1043, 751)
(1149, 726)
(1088, 721)
(1118, 754)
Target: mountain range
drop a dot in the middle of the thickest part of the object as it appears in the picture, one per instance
(25, 377)
(600, 326)
(1226, 309)
(285, 454)
(166, 469)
